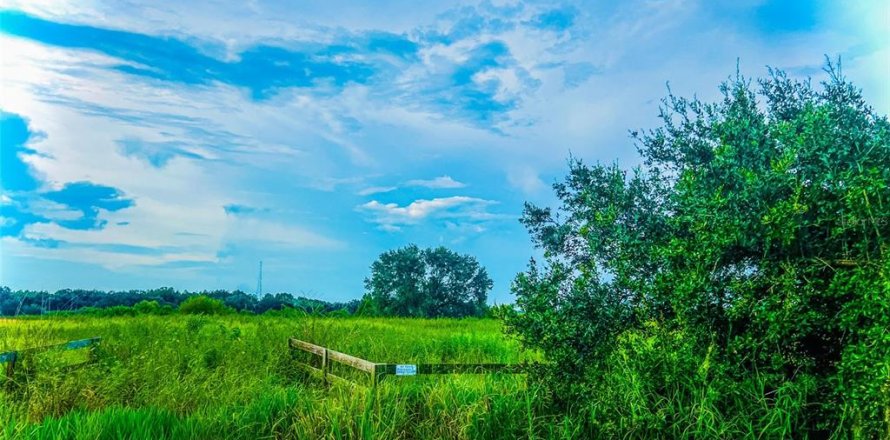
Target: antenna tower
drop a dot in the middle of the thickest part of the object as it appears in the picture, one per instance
(259, 281)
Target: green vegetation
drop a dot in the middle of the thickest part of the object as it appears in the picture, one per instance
(197, 305)
(111, 303)
(426, 283)
(200, 376)
(736, 284)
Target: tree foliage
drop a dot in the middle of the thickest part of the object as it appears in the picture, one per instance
(427, 283)
(757, 227)
(25, 302)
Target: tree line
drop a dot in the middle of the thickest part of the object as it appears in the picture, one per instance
(406, 282)
(29, 302)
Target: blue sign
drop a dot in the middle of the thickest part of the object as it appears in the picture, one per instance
(406, 370)
(74, 345)
(9, 356)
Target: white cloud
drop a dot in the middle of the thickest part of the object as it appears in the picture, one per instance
(83, 109)
(376, 190)
(441, 182)
(391, 216)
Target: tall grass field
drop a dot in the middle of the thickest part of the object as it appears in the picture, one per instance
(233, 377)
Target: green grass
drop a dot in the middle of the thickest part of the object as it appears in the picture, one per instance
(233, 377)
(192, 377)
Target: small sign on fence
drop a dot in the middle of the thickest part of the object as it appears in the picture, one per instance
(81, 343)
(406, 370)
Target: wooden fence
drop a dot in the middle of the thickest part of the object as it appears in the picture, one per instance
(378, 371)
(12, 358)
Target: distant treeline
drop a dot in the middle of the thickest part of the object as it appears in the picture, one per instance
(29, 302)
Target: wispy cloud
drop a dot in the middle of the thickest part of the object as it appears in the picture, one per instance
(391, 216)
(156, 153)
(454, 74)
(262, 69)
(441, 182)
(376, 190)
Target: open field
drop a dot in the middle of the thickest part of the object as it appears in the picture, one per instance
(214, 377)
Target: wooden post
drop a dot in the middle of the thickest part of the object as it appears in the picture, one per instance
(10, 368)
(325, 365)
(374, 376)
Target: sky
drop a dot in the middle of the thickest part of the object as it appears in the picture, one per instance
(170, 143)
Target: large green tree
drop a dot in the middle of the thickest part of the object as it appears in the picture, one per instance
(757, 227)
(438, 282)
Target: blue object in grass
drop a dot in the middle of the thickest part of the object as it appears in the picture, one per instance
(81, 343)
(406, 370)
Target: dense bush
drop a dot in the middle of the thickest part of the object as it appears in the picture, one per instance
(747, 256)
(204, 305)
(152, 308)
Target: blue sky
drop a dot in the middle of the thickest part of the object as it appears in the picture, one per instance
(166, 143)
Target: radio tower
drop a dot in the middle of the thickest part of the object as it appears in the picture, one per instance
(259, 282)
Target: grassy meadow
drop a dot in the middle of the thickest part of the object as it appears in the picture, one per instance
(232, 377)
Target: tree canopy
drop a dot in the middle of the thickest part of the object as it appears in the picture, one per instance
(755, 231)
(438, 282)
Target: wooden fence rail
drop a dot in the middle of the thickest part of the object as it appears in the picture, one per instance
(11, 358)
(378, 371)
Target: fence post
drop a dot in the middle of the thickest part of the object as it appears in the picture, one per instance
(374, 376)
(10, 369)
(325, 364)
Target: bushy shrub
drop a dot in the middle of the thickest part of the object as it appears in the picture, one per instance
(146, 307)
(756, 231)
(656, 383)
(204, 305)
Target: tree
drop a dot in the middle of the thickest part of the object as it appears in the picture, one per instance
(756, 227)
(427, 282)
